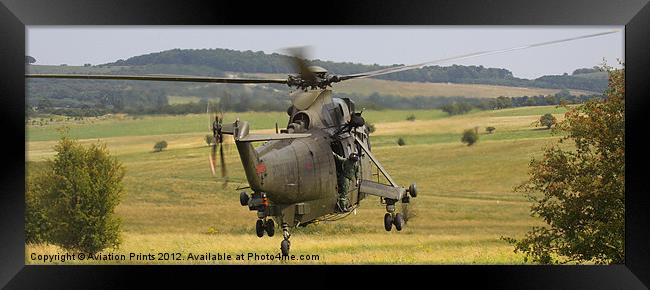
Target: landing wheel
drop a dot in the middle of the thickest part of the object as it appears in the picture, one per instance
(388, 222)
(259, 228)
(243, 198)
(284, 247)
(413, 190)
(399, 221)
(270, 227)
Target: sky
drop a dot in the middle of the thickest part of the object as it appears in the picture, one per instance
(384, 45)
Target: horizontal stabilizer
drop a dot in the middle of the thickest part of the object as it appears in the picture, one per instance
(267, 137)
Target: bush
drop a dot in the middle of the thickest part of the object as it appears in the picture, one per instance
(70, 202)
(547, 120)
(490, 129)
(469, 136)
(160, 146)
(411, 118)
(401, 141)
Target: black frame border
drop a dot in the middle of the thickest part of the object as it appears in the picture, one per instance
(16, 14)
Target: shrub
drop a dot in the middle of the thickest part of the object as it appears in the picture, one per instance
(160, 146)
(490, 129)
(469, 136)
(401, 141)
(411, 117)
(547, 120)
(70, 202)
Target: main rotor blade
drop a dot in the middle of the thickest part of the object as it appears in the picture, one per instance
(159, 78)
(464, 56)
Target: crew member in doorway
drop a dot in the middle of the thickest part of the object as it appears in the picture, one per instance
(347, 169)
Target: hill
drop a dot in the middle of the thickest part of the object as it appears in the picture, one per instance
(430, 87)
(260, 62)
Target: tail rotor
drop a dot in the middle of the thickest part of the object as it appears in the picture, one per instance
(216, 126)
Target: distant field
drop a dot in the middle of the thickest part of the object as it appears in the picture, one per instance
(465, 203)
(162, 124)
(412, 89)
(182, 99)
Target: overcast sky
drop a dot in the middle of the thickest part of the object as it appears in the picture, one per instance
(385, 45)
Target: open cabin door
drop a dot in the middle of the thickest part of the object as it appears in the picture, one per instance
(390, 191)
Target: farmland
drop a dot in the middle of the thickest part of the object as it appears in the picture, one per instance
(465, 204)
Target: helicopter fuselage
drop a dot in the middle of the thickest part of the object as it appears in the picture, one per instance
(299, 176)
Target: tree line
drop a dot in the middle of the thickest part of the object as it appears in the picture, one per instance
(157, 102)
(260, 62)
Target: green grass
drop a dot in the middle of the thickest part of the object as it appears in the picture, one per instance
(93, 128)
(526, 111)
(465, 204)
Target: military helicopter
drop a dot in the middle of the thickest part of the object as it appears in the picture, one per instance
(293, 175)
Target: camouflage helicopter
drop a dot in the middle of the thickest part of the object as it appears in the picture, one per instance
(295, 176)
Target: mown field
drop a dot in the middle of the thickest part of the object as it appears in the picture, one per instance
(465, 203)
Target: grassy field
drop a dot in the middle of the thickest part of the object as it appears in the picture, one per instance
(465, 203)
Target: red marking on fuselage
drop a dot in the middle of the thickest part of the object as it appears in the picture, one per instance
(260, 168)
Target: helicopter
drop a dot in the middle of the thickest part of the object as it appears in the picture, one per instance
(293, 175)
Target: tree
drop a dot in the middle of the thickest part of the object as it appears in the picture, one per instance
(547, 120)
(469, 136)
(71, 201)
(503, 102)
(490, 129)
(456, 108)
(159, 146)
(580, 192)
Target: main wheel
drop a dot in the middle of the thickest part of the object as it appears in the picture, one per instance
(243, 198)
(284, 247)
(259, 228)
(270, 227)
(413, 190)
(388, 222)
(399, 221)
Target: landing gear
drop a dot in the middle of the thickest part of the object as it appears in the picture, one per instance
(259, 228)
(388, 222)
(391, 218)
(265, 225)
(269, 226)
(413, 190)
(243, 198)
(398, 221)
(285, 245)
